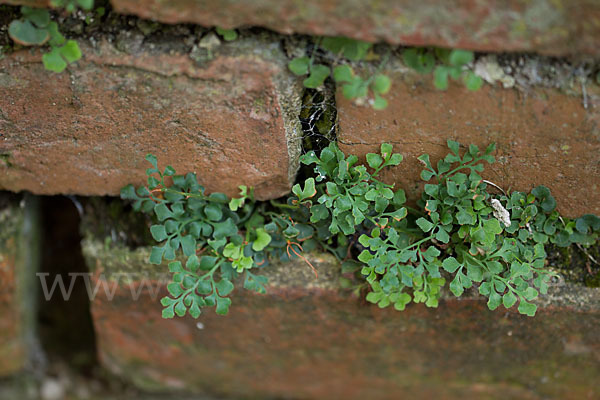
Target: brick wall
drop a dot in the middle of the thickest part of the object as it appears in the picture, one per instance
(229, 111)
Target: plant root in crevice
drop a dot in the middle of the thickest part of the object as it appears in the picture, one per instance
(318, 117)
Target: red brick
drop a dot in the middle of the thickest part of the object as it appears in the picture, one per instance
(544, 136)
(307, 339)
(556, 28)
(86, 131)
(550, 27)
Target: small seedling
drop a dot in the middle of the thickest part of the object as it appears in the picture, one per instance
(227, 34)
(353, 86)
(453, 63)
(35, 28)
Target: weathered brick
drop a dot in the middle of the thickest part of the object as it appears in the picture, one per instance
(544, 136)
(227, 112)
(549, 27)
(307, 339)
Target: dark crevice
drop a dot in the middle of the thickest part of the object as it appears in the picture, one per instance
(65, 325)
(318, 117)
(65, 330)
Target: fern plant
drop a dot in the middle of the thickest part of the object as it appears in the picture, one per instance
(460, 233)
(207, 230)
(457, 233)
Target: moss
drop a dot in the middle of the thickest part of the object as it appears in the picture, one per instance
(593, 281)
(326, 123)
(121, 263)
(147, 27)
(575, 264)
(11, 217)
(5, 160)
(259, 105)
(113, 221)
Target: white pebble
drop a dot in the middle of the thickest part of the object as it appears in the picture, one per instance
(52, 389)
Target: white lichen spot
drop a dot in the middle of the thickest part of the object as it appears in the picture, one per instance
(490, 71)
(501, 213)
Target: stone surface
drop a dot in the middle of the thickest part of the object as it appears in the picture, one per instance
(309, 340)
(543, 136)
(555, 27)
(13, 292)
(227, 112)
